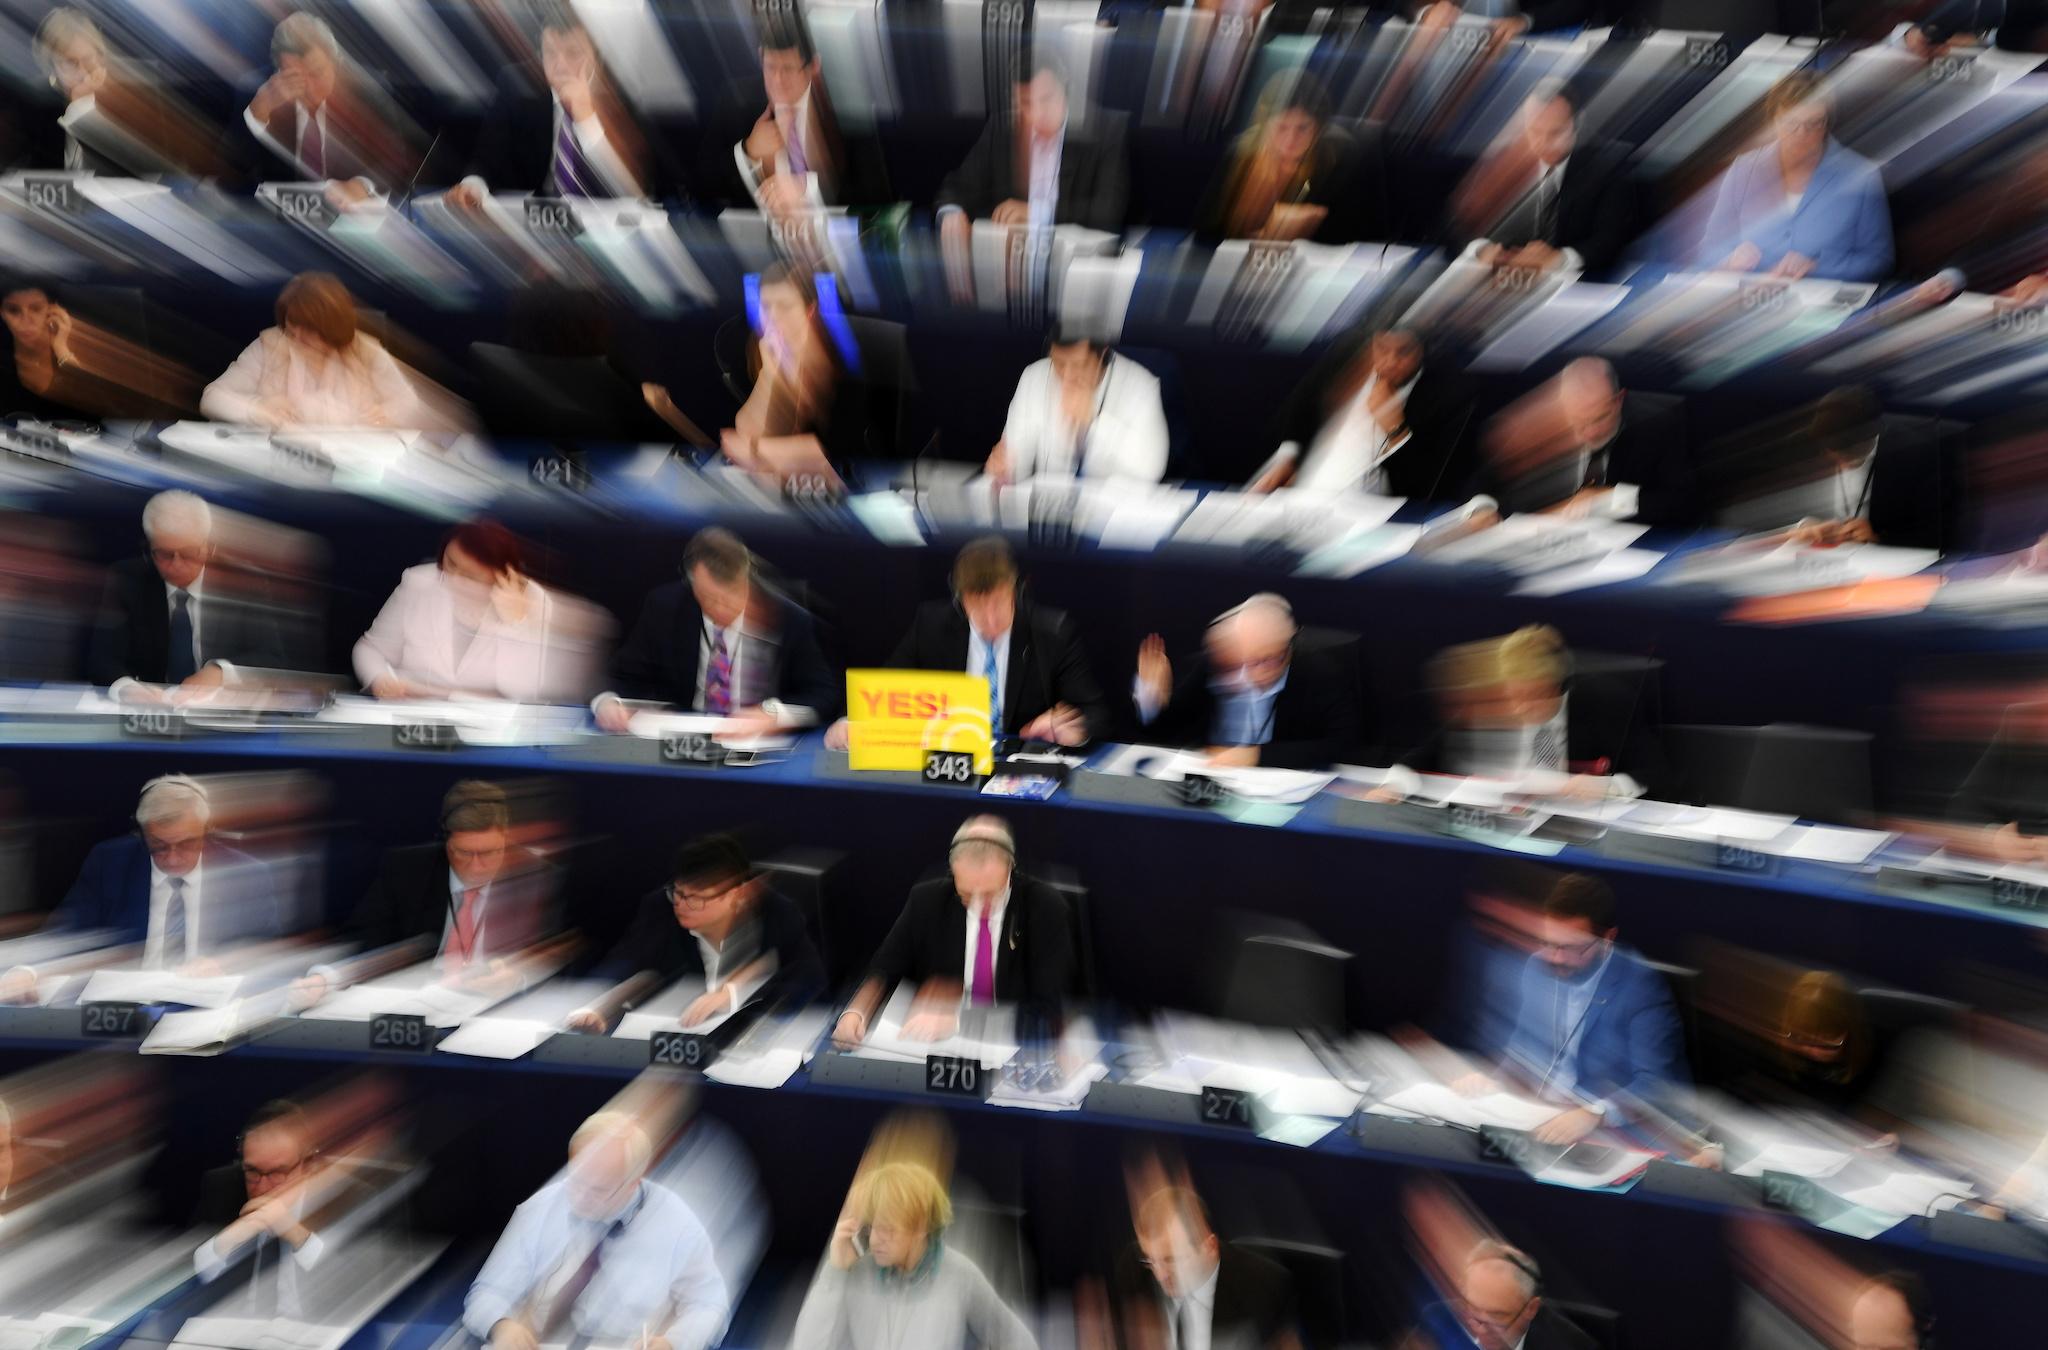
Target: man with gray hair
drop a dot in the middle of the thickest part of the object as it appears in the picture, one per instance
(1500, 1306)
(602, 1253)
(166, 619)
(167, 886)
(984, 933)
(1259, 695)
(318, 118)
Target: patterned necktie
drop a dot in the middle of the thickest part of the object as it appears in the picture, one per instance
(995, 687)
(983, 990)
(183, 660)
(572, 176)
(313, 147)
(173, 953)
(718, 677)
(799, 162)
(462, 950)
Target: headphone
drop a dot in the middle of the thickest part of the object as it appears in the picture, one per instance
(984, 831)
(191, 784)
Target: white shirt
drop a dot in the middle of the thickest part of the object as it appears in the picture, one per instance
(995, 937)
(1197, 1310)
(209, 1263)
(1351, 451)
(999, 678)
(546, 657)
(153, 953)
(1126, 439)
(362, 388)
(1045, 178)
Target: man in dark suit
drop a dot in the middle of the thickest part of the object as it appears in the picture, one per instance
(982, 934)
(1571, 444)
(723, 641)
(1374, 415)
(322, 118)
(1038, 168)
(792, 154)
(717, 921)
(169, 887)
(1499, 1307)
(169, 618)
(1588, 1025)
(573, 136)
(1040, 686)
(1547, 201)
(1259, 695)
(1181, 1276)
(471, 900)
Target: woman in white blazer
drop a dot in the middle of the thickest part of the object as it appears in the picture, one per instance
(314, 369)
(1083, 412)
(474, 625)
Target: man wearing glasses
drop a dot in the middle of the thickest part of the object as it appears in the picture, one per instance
(169, 619)
(168, 888)
(717, 922)
(260, 1200)
(470, 902)
(1591, 1027)
(1499, 1307)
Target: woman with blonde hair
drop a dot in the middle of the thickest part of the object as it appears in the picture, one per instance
(315, 368)
(889, 1282)
(1290, 175)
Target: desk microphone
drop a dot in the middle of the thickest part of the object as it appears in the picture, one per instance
(414, 184)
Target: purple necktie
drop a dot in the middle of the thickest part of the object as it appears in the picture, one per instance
(572, 171)
(718, 679)
(983, 990)
(799, 164)
(313, 147)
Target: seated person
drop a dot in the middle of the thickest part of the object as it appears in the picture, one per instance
(168, 887)
(1255, 696)
(1588, 1026)
(1569, 444)
(578, 141)
(170, 618)
(1082, 411)
(1039, 169)
(601, 1254)
(723, 641)
(316, 368)
(1547, 201)
(902, 1288)
(1375, 417)
(1293, 175)
(321, 117)
(982, 934)
(1180, 1274)
(804, 400)
(45, 380)
(473, 624)
(116, 121)
(794, 156)
(1786, 1037)
(1040, 687)
(719, 921)
(470, 902)
(1802, 204)
(1499, 1307)
(1850, 475)
(1511, 707)
(267, 1205)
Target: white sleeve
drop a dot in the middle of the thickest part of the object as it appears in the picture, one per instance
(509, 1274)
(393, 391)
(1134, 432)
(597, 150)
(377, 651)
(207, 1262)
(238, 393)
(269, 142)
(698, 1295)
(1148, 706)
(1024, 427)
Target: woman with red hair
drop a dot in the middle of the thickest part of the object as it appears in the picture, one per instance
(475, 625)
(316, 368)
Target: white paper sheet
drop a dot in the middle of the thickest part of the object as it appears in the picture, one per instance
(769, 1069)
(1435, 1101)
(1832, 844)
(497, 1037)
(160, 986)
(1801, 1160)
(201, 1029)
(1307, 1097)
(1593, 1169)
(1622, 565)
(655, 725)
(1911, 1193)
(404, 992)
(994, 1046)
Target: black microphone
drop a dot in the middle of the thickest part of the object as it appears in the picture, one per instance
(414, 184)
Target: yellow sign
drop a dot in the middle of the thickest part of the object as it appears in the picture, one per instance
(895, 716)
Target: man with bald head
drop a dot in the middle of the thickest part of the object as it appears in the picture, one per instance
(1891, 1312)
(1569, 447)
(601, 1253)
(1258, 695)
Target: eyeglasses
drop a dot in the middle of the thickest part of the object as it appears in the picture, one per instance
(164, 848)
(1569, 948)
(271, 1174)
(699, 899)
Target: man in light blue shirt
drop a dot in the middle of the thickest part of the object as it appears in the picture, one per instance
(601, 1253)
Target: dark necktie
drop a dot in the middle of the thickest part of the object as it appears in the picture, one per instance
(173, 954)
(1546, 205)
(572, 175)
(313, 147)
(565, 1302)
(183, 660)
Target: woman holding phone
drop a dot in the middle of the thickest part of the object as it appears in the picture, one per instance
(43, 380)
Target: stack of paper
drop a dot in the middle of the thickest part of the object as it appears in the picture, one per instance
(403, 993)
(1906, 1193)
(987, 1035)
(664, 1012)
(1800, 1160)
(1435, 1101)
(497, 1037)
(160, 986)
(656, 725)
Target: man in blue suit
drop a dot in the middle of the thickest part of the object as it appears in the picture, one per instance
(1594, 1029)
(170, 886)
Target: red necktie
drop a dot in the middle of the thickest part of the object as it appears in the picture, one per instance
(461, 948)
